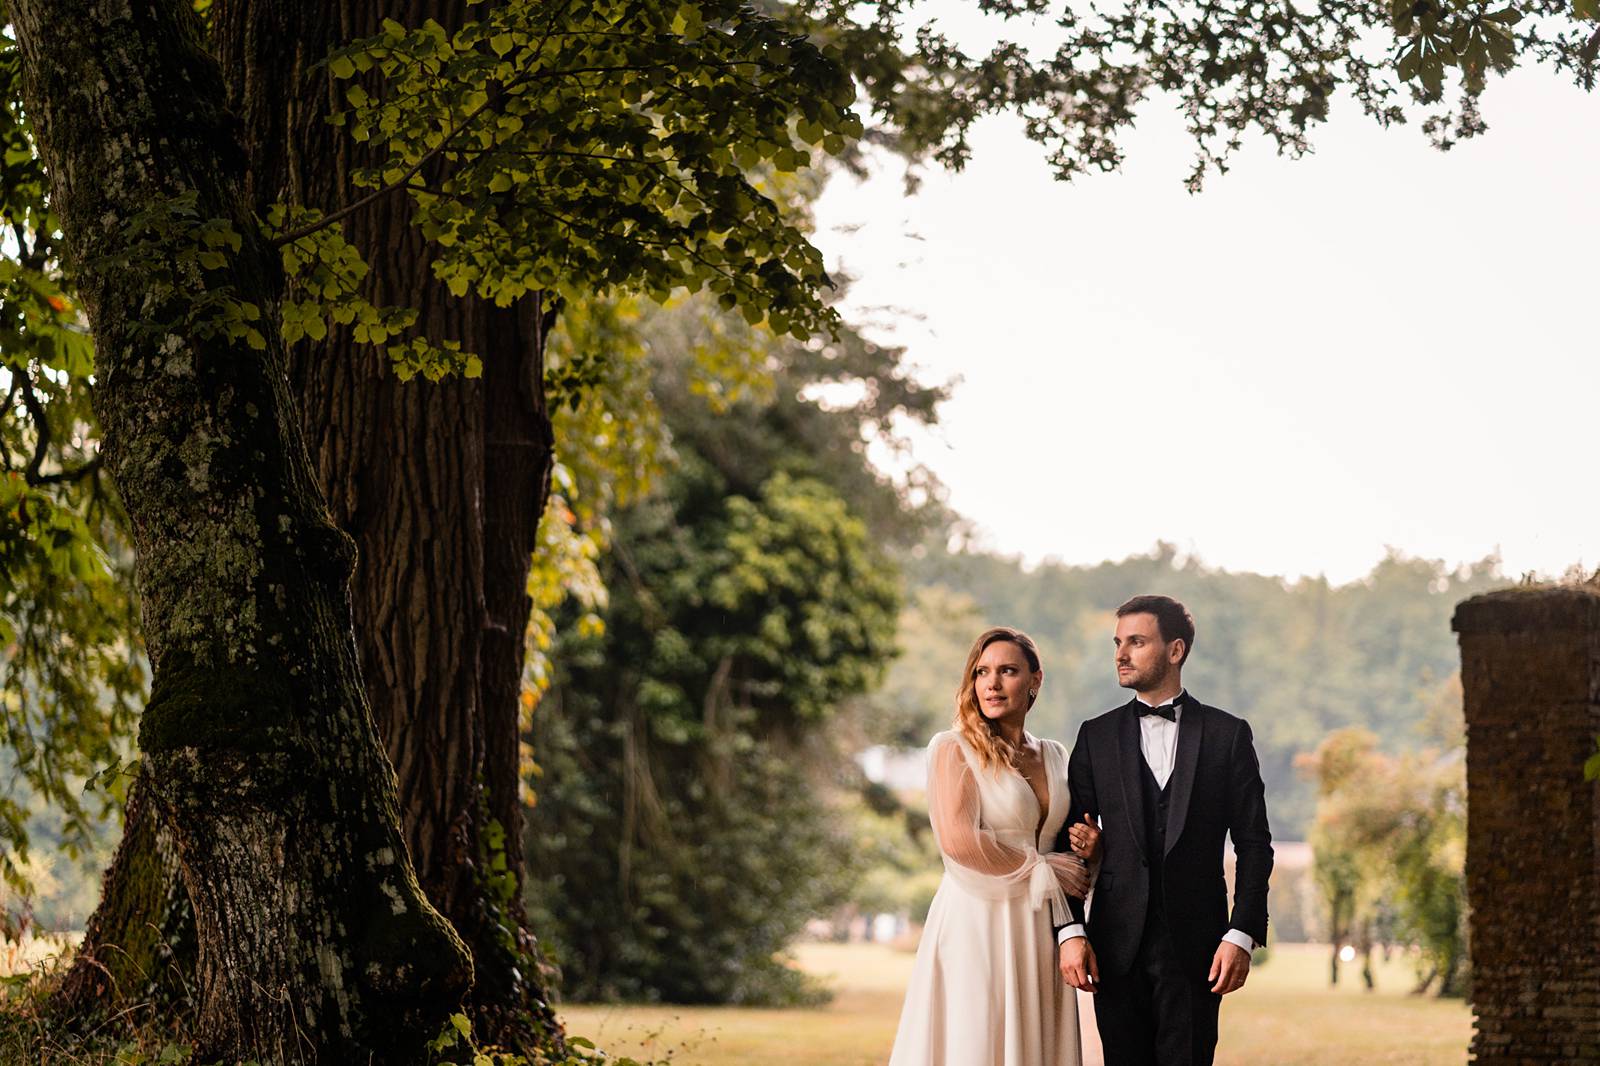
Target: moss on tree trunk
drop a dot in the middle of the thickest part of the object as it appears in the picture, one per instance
(138, 949)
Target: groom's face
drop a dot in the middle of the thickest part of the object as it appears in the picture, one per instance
(1144, 660)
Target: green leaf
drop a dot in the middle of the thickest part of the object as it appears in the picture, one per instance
(341, 67)
(1409, 61)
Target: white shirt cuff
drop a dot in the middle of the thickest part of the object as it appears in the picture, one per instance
(1069, 931)
(1233, 936)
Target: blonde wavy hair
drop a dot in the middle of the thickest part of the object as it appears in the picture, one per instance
(979, 733)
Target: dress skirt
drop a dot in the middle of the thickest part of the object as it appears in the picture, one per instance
(985, 990)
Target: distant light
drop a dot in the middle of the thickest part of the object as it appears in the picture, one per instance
(1347, 954)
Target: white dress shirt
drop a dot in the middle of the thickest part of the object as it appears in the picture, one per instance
(1158, 743)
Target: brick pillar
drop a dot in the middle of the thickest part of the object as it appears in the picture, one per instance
(1530, 671)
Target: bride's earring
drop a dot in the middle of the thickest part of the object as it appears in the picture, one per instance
(1033, 693)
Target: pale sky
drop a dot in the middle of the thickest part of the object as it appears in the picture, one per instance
(1377, 345)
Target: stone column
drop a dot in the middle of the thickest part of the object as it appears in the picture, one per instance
(1530, 671)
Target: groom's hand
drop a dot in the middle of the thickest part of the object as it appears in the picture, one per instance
(1078, 965)
(1229, 968)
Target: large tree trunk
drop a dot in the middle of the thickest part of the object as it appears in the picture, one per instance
(314, 940)
(441, 485)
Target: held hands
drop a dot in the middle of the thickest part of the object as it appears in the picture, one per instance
(1072, 873)
(1078, 965)
(1085, 838)
(1229, 968)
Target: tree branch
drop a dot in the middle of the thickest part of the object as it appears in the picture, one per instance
(88, 469)
(41, 428)
(5, 409)
(41, 447)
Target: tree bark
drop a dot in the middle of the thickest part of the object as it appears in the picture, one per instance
(314, 939)
(138, 948)
(441, 484)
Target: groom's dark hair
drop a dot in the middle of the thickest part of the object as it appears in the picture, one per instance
(1172, 618)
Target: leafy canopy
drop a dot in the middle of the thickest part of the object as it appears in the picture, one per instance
(586, 148)
(1231, 66)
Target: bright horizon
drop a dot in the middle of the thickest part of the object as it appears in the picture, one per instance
(1379, 345)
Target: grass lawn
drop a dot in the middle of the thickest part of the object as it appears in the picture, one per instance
(1286, 1016)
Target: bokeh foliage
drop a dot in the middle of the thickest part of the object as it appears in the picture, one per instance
(1390, 841)
(71, 672)
(693, 800)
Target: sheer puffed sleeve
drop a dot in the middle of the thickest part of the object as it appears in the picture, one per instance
(973, 855)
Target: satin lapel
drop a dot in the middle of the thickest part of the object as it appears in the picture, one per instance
(1191, 729)
(1128, 760)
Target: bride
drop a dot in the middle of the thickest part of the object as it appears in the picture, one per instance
(984, 989)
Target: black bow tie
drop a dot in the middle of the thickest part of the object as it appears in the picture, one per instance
(1169, 711)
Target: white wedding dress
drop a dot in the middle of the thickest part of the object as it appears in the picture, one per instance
(985, 990)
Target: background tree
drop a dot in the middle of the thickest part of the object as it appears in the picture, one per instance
(1390, 846)
(691, 775)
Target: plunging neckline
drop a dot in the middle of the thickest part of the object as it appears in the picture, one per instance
(1049, 797)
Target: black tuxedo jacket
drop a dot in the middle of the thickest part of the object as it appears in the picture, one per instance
(1215, 789)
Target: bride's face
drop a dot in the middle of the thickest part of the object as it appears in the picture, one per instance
(1002, 680)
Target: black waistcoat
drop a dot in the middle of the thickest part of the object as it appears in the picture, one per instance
(1157, 798)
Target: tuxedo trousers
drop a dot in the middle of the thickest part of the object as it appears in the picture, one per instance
(1156, 1014)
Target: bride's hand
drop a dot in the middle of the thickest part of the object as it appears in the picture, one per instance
(1072, 873)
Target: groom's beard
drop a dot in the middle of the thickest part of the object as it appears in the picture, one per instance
(1143, 681)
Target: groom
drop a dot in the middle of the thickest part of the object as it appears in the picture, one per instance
(1168, 778)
